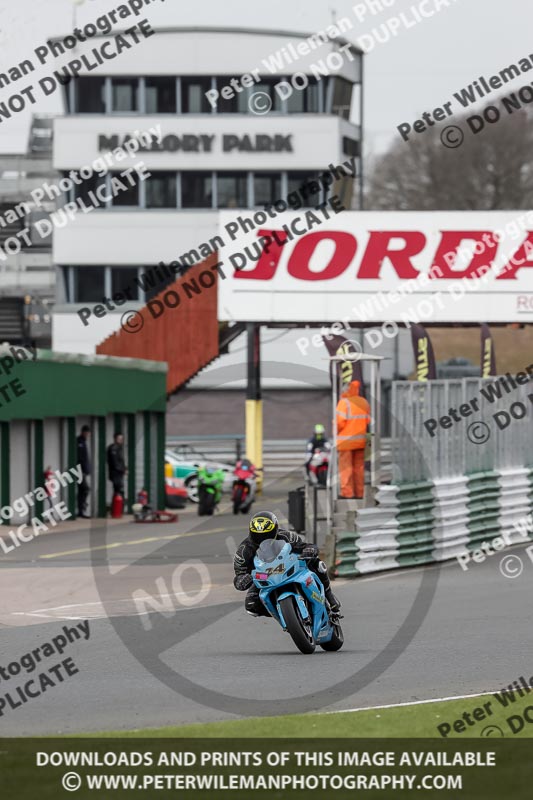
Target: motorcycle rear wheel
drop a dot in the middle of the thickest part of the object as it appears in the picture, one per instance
(206, 503)
(302, 638)
(237, 500)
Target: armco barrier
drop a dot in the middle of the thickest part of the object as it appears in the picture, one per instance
(450, 492)
(432, 521)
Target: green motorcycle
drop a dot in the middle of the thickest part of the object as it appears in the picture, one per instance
(209, 490)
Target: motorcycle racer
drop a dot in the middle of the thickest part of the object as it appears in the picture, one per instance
(318, 441)
(265, 525)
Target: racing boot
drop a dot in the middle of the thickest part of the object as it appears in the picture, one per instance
(334, 602)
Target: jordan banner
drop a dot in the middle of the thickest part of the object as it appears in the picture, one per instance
(488, 354)
(346, 370)
(424, 356)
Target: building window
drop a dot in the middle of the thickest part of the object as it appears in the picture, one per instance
(125, 194)
(160, 190)
(11, 228)
(238, 104)
(196, 190)
(82, 191)
(89, 284)
(123, 281)
(266, 86)
(90, 95)
(300, 182)
(160, 95)
(193, 99)
(63, 287)
(341, 95)
(38, 242)
(125, 94)
(267, 188)
(232, 190)
(305, 100)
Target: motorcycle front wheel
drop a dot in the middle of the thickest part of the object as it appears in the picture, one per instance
(336, 641)
(299, 630)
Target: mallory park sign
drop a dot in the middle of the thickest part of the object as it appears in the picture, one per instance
(203, 143)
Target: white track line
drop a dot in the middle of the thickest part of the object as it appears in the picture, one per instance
(414, 702)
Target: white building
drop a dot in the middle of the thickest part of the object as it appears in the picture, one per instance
(212, 156)
(27, 274)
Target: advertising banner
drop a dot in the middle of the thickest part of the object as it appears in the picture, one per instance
(423, 352)
(488, 354)
(326, 265)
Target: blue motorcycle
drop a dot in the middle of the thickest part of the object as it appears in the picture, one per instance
(294, 596)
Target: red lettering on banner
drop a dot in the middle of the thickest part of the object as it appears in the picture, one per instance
(377, 251)
(446, 254)
(345, 249)
(267, 263)
(519, 260)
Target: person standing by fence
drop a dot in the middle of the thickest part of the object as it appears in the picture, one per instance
(84, 460)
(116, 464)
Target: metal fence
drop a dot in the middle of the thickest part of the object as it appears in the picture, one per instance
(492, 428)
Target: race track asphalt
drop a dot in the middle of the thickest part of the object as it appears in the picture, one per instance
(409, 635)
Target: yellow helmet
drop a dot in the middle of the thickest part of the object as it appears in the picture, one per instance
(263, 525)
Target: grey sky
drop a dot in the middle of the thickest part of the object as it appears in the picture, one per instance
(416, 71)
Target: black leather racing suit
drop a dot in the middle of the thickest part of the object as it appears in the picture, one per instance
(243, 564)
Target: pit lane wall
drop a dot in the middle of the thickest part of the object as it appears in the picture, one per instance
(469, 483)
(46, 397)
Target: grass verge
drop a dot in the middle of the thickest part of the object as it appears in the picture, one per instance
(472, 717)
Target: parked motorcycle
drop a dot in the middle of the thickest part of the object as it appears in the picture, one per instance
(243, 491)
(209, 490)
(295, 598)
(318, 467)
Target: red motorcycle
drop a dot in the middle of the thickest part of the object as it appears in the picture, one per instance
(244, 485)
(318, 467)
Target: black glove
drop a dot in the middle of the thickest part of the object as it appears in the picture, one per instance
(310, 551)
(243, 582)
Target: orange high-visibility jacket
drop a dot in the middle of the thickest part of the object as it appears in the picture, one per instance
(353, 418)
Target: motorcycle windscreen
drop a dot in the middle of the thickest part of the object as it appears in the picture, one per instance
(270, 549)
